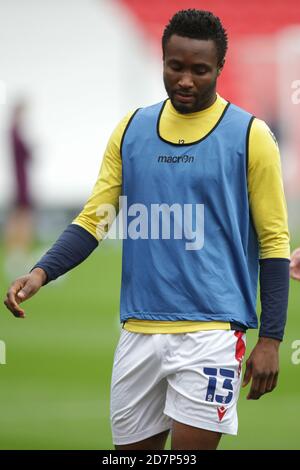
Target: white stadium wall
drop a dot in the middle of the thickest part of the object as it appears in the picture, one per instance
(81, 65)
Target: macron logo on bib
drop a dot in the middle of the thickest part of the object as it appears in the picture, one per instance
(175, 159)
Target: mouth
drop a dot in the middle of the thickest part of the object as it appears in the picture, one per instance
(184, 97)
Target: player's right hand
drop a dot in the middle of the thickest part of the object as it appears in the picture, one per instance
(22, 289)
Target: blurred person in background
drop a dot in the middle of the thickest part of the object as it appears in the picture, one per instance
(295, 265)
(19, 229)
(185, 311)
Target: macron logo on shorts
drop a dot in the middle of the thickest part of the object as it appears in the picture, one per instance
(240, 349)
(221, 412)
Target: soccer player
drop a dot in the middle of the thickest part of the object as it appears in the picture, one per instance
(295, 265)
(185, 309)
(18, 230)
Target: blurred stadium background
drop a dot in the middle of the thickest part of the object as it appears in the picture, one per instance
(81, 65)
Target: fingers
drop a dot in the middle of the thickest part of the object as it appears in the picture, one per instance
(22, 289)
(13, 299)
(26, 292)
(262, 383)
(272, 382)
(258, 387)
(14, 307)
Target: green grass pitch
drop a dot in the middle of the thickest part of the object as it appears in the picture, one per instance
(55, 385)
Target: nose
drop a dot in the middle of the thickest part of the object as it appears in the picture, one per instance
(186, 81)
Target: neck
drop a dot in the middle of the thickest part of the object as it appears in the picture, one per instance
(208, 102)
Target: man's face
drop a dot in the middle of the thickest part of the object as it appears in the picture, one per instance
(190, 73)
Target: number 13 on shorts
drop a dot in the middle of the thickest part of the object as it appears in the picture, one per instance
(226, 376)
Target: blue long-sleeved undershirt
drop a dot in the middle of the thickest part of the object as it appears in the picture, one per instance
(75, 244)
(274, 291)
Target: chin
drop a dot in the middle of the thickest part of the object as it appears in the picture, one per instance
(182, 108)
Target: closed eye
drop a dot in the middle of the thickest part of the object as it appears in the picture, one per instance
(174, 65)
(201, 70)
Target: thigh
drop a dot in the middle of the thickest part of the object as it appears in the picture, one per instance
(185, 437)
(204, 390)
(138, 390)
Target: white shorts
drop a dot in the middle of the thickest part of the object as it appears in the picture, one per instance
(193, 378)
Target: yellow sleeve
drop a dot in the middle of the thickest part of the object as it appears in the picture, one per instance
(266, 193)
(103, 204)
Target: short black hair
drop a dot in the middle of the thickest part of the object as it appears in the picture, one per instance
(197, 24)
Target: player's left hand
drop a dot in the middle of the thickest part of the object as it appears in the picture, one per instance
(263, 367)
(295, 265)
